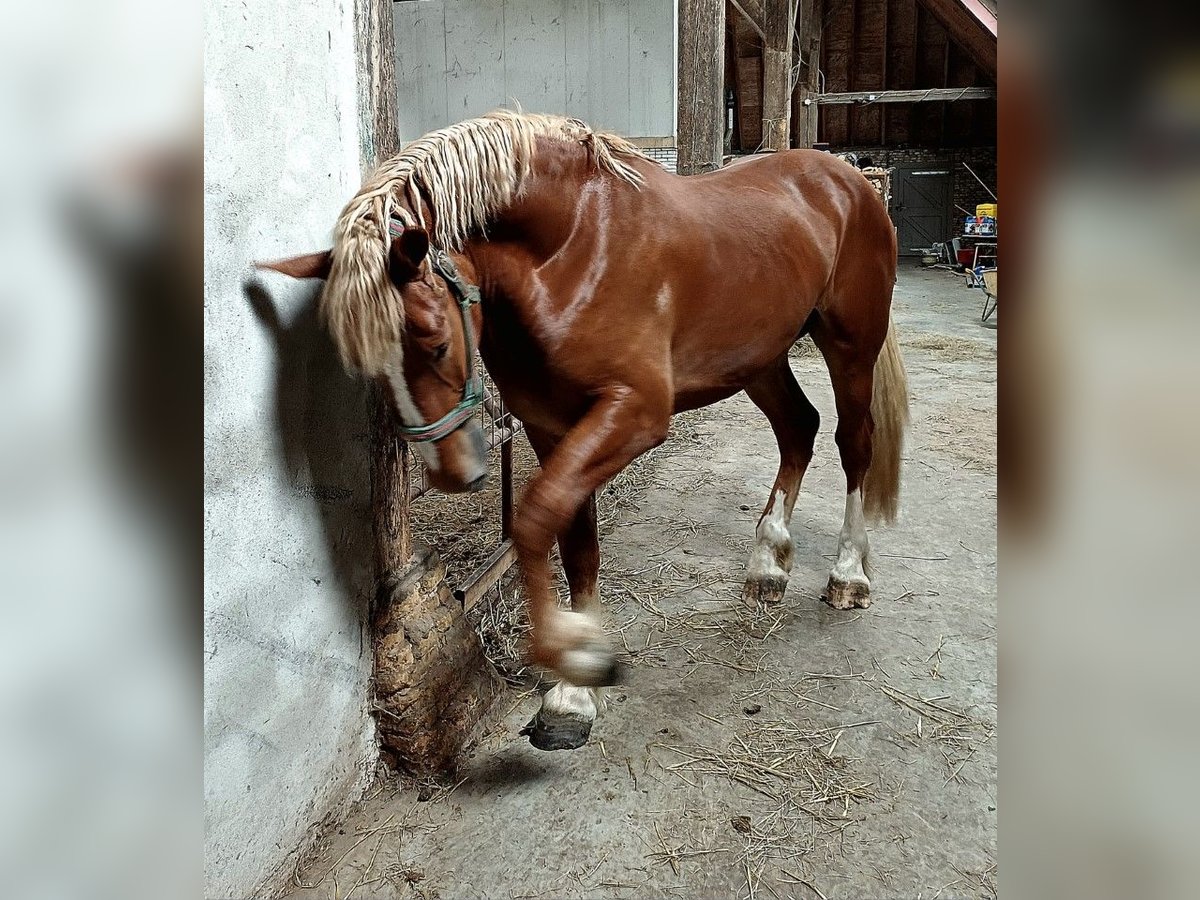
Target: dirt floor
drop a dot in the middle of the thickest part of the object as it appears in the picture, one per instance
(791, 752)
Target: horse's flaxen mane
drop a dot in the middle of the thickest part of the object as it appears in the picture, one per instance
(467, 174)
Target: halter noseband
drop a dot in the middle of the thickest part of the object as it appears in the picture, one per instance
(467, 296)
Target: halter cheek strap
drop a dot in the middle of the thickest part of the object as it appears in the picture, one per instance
(467, 295)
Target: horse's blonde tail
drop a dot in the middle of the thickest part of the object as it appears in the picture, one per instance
(889, 410)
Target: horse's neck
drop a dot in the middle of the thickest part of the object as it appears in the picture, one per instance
(543, 214)
(537, 224)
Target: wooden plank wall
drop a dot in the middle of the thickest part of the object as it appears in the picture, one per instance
(933, 49)
(891, 45)
(901, 66)
(608, 62)
(836, 49)
(746, 57)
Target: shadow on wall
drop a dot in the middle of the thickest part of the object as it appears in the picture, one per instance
(322, 425)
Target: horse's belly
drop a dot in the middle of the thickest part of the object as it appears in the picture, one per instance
(696, 398)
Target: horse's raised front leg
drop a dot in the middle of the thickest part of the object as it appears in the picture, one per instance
(568, 711)
(795, 422)
(621, 424)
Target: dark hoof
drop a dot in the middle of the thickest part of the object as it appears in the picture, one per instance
(847, 595)
(763, 591)
(557, 733)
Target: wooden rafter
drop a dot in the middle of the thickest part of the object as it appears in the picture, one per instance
(752, 11)
(966, 28)
(921, 95)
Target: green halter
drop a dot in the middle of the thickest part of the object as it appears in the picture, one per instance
(467, 296)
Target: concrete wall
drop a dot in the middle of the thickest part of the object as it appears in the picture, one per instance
(288, 737)
(610, 63)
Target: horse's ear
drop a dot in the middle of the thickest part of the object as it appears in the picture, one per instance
(311, 265)
(408, 249)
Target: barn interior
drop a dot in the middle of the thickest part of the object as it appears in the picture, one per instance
(365, 676)
(908, 85)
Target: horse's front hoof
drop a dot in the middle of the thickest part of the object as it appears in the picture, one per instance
(847, 594)
(548, 732)
(764, 591)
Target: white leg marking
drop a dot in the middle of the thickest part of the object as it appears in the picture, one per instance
(772, 553)
(852, 544)
(566, 700)
(407, 408)
(586, 657)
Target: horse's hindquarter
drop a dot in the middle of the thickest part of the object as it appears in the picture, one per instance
(751, 251)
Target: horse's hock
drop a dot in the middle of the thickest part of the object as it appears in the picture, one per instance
(432, 681)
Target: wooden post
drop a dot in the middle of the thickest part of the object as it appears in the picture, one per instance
(380, 139)
(701, 124)
(432, 681)
(777, 73)
(804, 128)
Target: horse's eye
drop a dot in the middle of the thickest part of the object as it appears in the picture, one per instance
(441, 351)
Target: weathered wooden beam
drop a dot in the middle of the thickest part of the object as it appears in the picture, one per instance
(902, 65)
(808, 36)
(380, 139)
(883, 75)
(968, 29)
(936, 95)
(778, 24)
(752, 12)
(485, 576)
(701, 117)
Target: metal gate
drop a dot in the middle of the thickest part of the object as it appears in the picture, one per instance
(920, 207)
(499, 428)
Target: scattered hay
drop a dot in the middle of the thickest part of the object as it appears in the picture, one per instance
(624, 491)
(949, 347)
(419, 818)
(967, 433)
(811, 789)
(465, 528)
(502, 621)
(804, 349)
(959, 734)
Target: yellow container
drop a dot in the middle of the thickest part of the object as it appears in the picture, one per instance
(986, 209)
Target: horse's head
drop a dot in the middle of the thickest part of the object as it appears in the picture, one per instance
(430, 373)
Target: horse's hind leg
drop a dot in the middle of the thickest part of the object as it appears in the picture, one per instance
(795, 422)
(568, 711)
(851, 371)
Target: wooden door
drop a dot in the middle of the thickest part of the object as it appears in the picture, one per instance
(921, 207)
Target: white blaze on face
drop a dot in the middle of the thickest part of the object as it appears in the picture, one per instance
(394, 370)
(772, 554)
(852, 543)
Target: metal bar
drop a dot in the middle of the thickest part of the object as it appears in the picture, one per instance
(506, 484)
(485, 577)
(915, 96)
(982, 182)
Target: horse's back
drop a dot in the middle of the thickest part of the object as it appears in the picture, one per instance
(803, 195)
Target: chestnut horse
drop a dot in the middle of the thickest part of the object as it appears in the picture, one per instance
(608, 294)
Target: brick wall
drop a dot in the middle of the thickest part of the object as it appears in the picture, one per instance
(964, 189)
